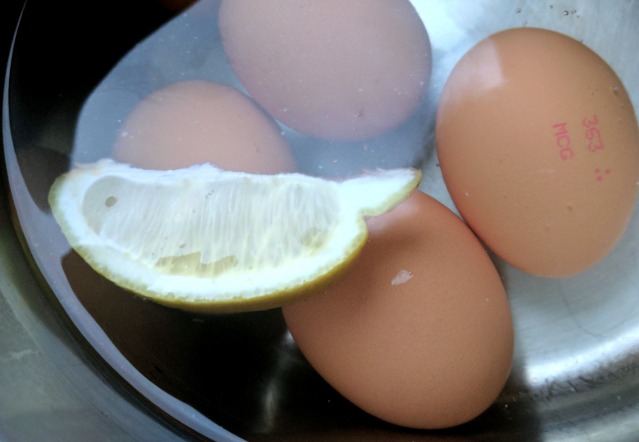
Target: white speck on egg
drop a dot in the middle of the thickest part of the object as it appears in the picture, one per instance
(402, 277)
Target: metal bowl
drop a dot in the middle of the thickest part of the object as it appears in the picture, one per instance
(81, 359)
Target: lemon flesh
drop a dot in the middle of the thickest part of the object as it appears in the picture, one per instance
(202, 238)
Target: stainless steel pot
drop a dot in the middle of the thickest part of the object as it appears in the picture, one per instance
(82, 360)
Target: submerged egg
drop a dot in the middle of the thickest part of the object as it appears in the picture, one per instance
(419, 331)
(539, 148)
(329, 68)
(195, 122)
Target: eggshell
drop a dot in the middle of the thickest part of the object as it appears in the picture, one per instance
(195, 122)
(329, 68)
(419, 332)
(539, 148)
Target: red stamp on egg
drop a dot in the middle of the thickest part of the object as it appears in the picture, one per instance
(563, 141)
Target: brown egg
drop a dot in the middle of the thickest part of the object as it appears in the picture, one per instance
(195, 122)
(329, 68)
(539, 148)
(419, 332)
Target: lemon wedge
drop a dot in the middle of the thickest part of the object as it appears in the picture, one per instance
(206, 239)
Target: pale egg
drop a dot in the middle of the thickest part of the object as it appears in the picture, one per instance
(329, 68)
(195, 122)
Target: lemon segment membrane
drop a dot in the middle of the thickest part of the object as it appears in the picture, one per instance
(208, 239)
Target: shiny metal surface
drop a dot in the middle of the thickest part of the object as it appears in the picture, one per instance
(88, 359)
